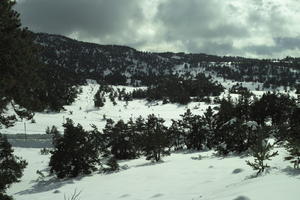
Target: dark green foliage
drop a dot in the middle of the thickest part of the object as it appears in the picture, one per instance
(209, 127)
(7, 121)
(60, 88)
(155, 139)
(18, 62)
(112, 165)
(121, 141)
(193, 130)
(45, 151)
(176, 135)
(293, 139)
(99, 99)
(74, 152)
(261, 151)
(11, 167)
(5, 197)
(239, 89)
(179, 90)
(293, 148)
(275, 106)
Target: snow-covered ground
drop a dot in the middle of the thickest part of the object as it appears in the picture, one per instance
(180, 177)
(83, 111)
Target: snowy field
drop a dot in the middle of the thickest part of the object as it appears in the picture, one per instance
(182, 176)
(83, 111)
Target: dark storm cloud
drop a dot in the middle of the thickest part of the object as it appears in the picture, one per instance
(226, 27)
(89, 18)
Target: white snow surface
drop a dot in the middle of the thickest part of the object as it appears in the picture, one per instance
(181, 176)
(83, 111)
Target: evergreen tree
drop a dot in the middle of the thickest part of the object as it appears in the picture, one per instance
(293, 139)
(11, 167)
(261, 151)
(193, 127)
(121, 141)
(74, 153)
(140, 129)
(18, 61)
(112, 165)
(155, 139)
(99, 99)
(209, 127)
(176, 134)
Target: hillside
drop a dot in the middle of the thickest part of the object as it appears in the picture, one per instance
(124, 65)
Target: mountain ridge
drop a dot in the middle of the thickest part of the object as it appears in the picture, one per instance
(117, 64)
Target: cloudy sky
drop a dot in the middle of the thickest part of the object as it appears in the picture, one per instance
(252, 28)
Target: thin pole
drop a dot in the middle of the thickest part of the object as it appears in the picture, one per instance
(25, 131)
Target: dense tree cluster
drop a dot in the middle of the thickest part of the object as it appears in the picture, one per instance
(181, 90)
(237, 127)
(78, 151)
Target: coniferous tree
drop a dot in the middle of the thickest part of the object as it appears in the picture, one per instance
(74, 153)
(293, 138)
(176, 134)
(112, 165)
(18, 62)
(99, 99)
(121, 141)
(140, 129)
(155, 139)
(261, 151)
(11, 167)
(209, 127)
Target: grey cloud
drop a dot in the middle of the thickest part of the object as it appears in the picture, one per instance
(208, 26)
(281, 45)
(210, 47)
(92, 18)
(199, 21)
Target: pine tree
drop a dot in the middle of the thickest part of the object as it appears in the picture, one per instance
(155, 139)
(112, 165)
(11, 167)
(293, 139)
(261, 151)
(176, 135)
(121, 142)
(209, 127)
(194, 131)
(74, 153)
(18, 61)
(99, 99)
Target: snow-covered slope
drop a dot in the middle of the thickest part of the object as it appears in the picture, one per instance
(182, 176)
(83, 111)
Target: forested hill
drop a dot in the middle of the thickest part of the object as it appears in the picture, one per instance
(124, 65)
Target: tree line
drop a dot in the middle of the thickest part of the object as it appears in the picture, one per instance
(236, 128)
